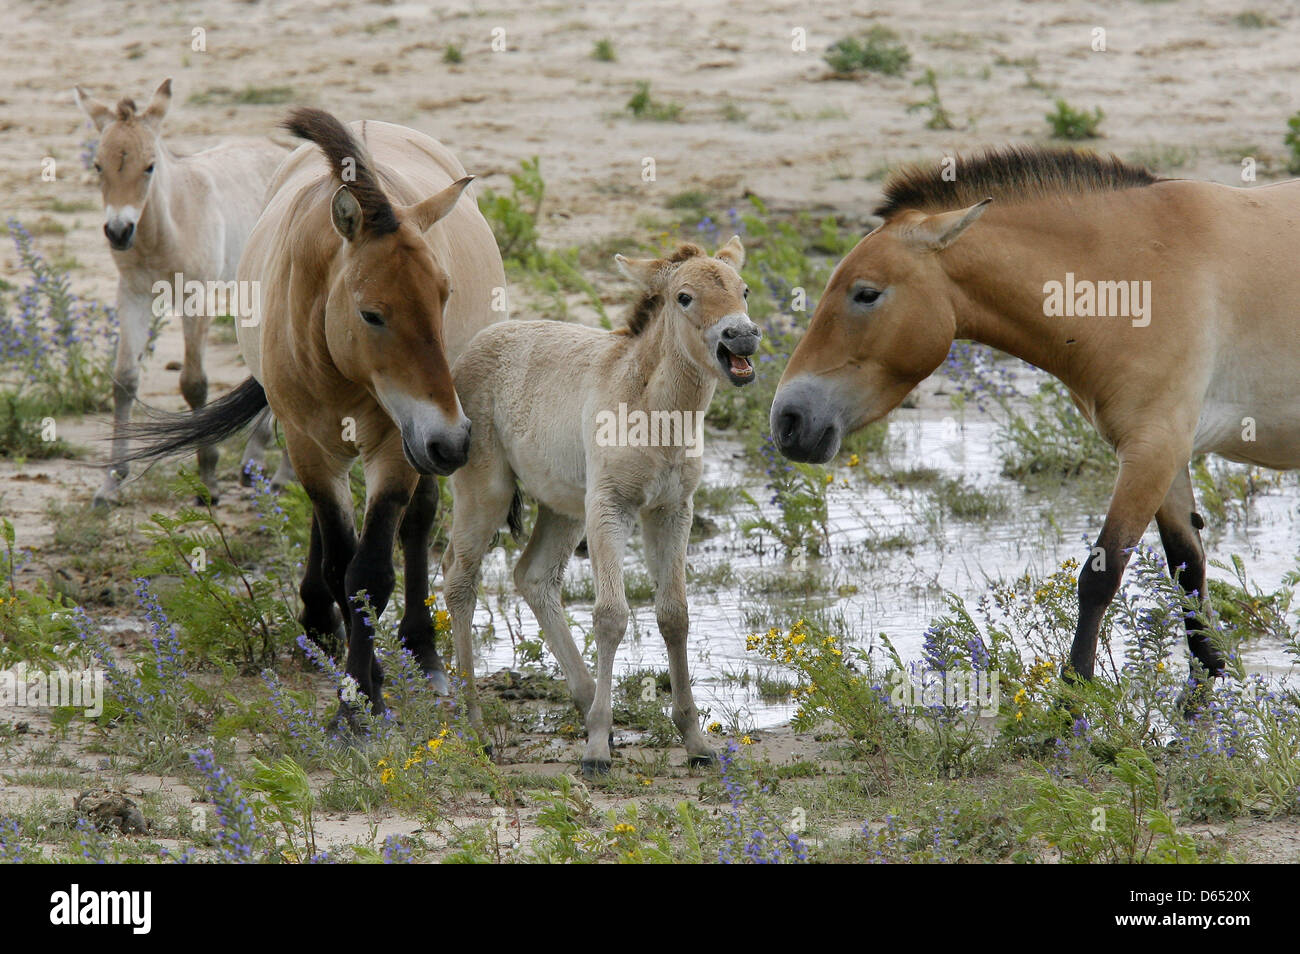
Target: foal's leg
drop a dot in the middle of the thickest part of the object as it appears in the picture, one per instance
(416, 629)
(480, 504)
(194, 386)
(1180, 535)
(667, 532)
(539, 576)
(608, 528)
(1142, 485)
(134, 320)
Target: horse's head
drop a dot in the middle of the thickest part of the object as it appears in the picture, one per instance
(125, 158)
(704, 300)
(384, 311)
(885, 321)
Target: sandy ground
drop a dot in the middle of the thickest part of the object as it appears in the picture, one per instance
(1180, 82)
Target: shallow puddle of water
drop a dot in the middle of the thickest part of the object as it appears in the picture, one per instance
(897, 591)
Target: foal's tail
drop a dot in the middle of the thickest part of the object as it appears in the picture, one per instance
(165, 435)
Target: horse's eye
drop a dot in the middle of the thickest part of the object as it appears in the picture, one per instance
(866, 296)
(684, 299)
(149, 171)
(372, 318)
(99, 168)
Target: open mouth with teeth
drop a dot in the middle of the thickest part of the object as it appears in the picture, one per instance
(739, 369)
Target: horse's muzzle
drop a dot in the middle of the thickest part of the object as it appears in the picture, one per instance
(440, 455)
(804, 426)
(120, 235)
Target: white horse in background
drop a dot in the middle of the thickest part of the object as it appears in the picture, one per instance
(168, 215)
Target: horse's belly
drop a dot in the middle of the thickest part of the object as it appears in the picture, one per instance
(1265, 432)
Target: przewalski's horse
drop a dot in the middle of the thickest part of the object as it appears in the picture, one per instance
(374, 277)
(600, 428)
(1202, 359)
(167, 215)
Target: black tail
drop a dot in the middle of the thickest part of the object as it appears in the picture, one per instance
(165, 435)
(515, 518)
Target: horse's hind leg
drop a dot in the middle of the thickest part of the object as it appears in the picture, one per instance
(667, 532)
(194, 386)
(1179, 534)
(417, 629)
(480, 503)
(539, 576)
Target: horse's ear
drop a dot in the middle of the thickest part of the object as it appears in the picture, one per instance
(936, 232)
(733, 253)
(345, 213)
(96, 112)
(162, 98)
(643, 271)
(425, 213)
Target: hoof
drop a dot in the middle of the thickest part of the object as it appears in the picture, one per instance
(596, 768)
(246, 475)
(101, 505)
(702, 761)
(214, 499)
(440, 683)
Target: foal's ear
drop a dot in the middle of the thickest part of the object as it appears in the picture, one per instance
(733, 253)
(936, 232)
(162, 98)
(345, 213)
(643, 271)
(425, 213)
(95, 111)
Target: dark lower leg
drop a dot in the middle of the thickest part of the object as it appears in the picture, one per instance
(417, 629)
(1186, 560)
(368, 584)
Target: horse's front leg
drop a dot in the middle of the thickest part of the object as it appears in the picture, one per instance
(609, 525)
(134, 321)
(1180, 535)
(1145, 475)
(417, 630)
(194, 387)
(370, 578)
(667, 532)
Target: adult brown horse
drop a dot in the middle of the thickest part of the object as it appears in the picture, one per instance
(1204, 358)
(365, 302)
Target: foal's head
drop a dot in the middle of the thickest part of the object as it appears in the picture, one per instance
(384, 311)
(704, 300)
(125, 158)
(884, 323)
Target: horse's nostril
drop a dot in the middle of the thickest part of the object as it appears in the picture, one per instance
(788, 424)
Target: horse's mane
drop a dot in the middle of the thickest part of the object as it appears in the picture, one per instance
(1009, 174)
(648, 305)
(338, 144)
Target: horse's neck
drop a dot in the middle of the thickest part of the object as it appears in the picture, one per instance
(673, 382)
(996, 304)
